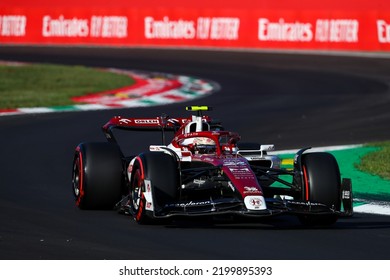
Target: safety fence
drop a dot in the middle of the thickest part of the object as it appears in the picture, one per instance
(337, 25)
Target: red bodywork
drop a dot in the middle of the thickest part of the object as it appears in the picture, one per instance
(234, 166)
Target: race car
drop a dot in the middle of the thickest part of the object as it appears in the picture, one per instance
(205, 171)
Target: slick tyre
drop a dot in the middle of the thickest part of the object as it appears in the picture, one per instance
(137, 196)
(322, 184)
(97, 175)
(162, 171)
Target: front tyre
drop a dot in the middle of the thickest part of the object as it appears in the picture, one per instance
(137, 196)
(160, 171)
(321, 184)
(97, 175)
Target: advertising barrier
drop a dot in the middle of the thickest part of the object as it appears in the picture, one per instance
(339, 25)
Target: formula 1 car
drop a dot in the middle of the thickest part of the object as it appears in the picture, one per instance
(205, 171)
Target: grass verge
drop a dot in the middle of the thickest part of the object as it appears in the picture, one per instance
(45, 85)
(378, 161)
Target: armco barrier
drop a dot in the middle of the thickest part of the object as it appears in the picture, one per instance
(356, 25)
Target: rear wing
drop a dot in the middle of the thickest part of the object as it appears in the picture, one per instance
(162, 123)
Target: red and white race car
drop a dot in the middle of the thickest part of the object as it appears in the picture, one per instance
(205, 171)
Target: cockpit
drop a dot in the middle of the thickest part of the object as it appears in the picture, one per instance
(199, 145)
(197, 136)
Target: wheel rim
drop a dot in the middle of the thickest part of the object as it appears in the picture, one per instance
(136, 190)
(76, 177)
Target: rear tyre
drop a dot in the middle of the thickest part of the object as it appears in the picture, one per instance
(97, 175)
(322, 184)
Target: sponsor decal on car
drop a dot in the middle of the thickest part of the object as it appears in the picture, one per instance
(252, 190)
(124, 121)
(305, 203)
(255, 202)
(148, 195)
(146, 121)
(190, 204)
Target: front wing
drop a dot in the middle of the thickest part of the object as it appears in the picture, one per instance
(236, 207)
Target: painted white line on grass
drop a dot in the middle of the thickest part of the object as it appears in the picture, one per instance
(373, 208)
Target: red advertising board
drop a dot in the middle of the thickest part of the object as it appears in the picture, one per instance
(356, 25)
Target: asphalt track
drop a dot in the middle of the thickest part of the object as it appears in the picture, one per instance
(291, 100)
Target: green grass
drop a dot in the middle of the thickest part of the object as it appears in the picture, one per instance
(378, 161)
(45, 85)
